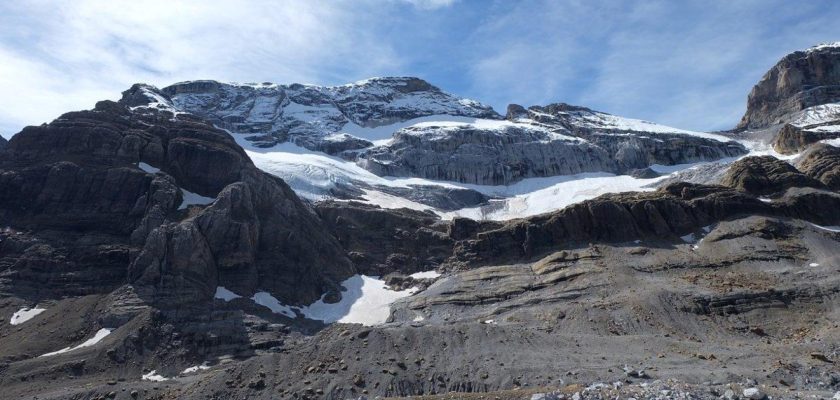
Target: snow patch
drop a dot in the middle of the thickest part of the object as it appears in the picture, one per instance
(148, 168)
(224, 294)
(25, 314)
(195, 368)
(834, 228)
(425, 275)
(366, 301)
(191, 198)
(267, 300)
(816, 114)
(832, 142)
(814, 265)
(153, 376)
(100, 334)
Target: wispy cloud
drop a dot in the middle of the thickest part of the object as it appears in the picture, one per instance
(59, 57)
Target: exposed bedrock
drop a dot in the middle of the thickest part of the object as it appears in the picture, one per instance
(88, 211)
(671, 211)
(766, 175)
(799, 80)
(822, 162)
(793, 139)
(507, 153)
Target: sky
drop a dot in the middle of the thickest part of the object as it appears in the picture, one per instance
(688, 64)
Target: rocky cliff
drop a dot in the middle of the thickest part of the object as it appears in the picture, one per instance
(800, 80)
(108, 197)
(557, 139)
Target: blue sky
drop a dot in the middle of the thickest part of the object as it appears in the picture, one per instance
(688, 64)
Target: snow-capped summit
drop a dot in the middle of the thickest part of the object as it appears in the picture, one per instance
(306, 114)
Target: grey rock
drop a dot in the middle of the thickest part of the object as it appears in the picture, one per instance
(799, 80)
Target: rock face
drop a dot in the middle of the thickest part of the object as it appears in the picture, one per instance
(96, 214)
(671, 211)
(792, 139)
(800, 80)
(310, 116)
(766, 175)
(557, 139)
(822, 162)
(3, 142)
(434, 134)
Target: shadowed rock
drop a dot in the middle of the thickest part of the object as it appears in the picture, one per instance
(765, 175)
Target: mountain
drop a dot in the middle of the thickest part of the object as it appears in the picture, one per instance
(799, 98)
(3, 142)
(207, 240)
(788, 91)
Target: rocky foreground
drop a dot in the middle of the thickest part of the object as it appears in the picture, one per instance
(143, 255)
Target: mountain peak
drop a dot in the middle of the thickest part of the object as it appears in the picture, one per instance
(800, 80)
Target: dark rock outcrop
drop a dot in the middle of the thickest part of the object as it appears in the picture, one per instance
(800, 80)
(3, 142)
(765, 175)
(669, 212)
(793, 139)
(822, 162)
(77, 180)
(381, 241)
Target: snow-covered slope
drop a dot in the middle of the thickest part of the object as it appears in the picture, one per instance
(401, 142)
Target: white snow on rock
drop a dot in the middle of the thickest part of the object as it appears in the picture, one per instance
(191, 198)
(267, 300)
(154, 377)
(365, 301)
(100, 334)
(425, 275)
(195, 368)
(224, 294)
(534, 196)
(148, 168)
(835, 228)
(25, 314)
(816, 114)
(832, 142)
(814, 265)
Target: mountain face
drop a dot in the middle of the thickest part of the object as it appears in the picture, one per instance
(310, 116)
(3, 142)
(409, 128)
(557, 139)
(157, 248)
(105, 196)
(801, 80)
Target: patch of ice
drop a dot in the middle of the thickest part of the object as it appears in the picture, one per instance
(489, 321)
(365, 301)
(540, 195)
(191, 198)
(267, 300)
(195, 368)
(816, 114)
(148, 168)
(97, 337)
(425, 275)
(418, 318)
(25, 314)
(832, 142)
(224, 294)
(153, 376)
(689, 238)
(835, 228)
(814, 265)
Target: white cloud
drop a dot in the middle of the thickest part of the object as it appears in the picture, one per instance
(65, 56)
